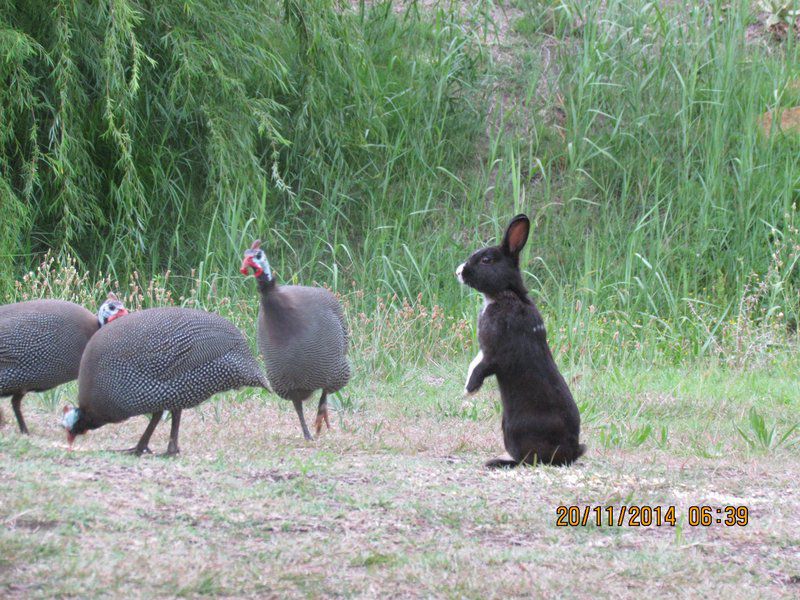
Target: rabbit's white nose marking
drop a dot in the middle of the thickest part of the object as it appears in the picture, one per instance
(475, 362)
(460, 270)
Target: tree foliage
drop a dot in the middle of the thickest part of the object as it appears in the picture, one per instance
(133, 132)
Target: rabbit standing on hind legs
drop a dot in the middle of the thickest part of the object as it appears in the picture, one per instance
(541, 422)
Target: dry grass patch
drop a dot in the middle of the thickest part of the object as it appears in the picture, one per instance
(385, 504)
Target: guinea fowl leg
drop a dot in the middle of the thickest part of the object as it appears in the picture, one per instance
(144, 441)
(298, 406)
(172, 447)
(322, 413)
(16, 401)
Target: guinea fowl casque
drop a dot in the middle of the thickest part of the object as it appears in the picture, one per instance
(302, 335)
(156, 360)
(41, 344)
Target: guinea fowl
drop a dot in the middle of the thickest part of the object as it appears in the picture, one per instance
(41, 343)
(302, 335)
(156, 360)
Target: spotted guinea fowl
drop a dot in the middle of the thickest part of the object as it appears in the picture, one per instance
(302, 335)
(41, 343)
(156, 360)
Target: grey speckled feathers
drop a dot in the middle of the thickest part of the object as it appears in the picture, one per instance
(303, 337)
(302, 334)
(162, 359)
(41, 343)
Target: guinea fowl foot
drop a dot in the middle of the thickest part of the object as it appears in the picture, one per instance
(172, 447)
(321, 416)
(322, 413)
(16, 404)
(172, 450)
(298, 406)
(135, 451)
(144, 442)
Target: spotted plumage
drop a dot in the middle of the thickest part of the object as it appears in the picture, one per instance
(305, 345)
(157, 360)
(41, 344)
(302, 335)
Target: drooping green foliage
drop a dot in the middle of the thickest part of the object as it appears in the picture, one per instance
(132, 133)
(373, 145)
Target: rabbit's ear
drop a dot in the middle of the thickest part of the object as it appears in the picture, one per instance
(516, 235)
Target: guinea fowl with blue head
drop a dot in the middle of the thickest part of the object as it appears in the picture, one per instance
(302, 335)
(157, 360)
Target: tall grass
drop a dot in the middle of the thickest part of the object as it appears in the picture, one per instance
(356, 140)
(659, 194)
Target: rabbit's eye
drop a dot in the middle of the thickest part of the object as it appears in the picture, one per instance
(486, 260)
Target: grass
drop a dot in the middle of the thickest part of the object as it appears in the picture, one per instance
(393, 499)
(372, 146)
(761, 435)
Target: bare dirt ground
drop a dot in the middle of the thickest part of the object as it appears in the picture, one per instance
(389, 503)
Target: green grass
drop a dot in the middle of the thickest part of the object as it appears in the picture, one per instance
(250, 509)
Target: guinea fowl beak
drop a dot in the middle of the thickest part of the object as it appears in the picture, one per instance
(120, 313)
(70, 439)
(249, 263)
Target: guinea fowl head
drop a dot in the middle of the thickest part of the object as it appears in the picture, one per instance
(72, 422)
(254, 258)
(111, 309)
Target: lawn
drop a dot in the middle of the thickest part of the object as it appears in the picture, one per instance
(394, 500)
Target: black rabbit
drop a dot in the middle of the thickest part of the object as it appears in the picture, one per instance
(541, 422)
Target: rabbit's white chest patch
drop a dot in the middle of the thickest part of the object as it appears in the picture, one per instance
(475, 362)
(486, 303)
